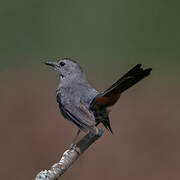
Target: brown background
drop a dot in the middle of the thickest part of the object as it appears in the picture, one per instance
(107, 38)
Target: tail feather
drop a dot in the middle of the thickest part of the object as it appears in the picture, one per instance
(107, 126)
(129, 79)
(110, 96)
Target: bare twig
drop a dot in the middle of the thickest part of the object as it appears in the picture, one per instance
(68, 157)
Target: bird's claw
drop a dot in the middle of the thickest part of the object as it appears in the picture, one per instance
(72, 146)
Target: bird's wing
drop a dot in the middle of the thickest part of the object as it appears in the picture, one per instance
(110, 96)
(80, 115)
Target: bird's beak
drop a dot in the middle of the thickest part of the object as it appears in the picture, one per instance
(50, 63)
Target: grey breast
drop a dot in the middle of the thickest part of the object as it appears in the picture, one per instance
(73, 95)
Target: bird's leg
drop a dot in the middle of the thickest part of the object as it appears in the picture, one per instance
(76, 136)
(74, 139)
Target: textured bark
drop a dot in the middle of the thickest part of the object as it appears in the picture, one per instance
(69, 157)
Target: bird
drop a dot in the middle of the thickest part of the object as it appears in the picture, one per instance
(82, 104)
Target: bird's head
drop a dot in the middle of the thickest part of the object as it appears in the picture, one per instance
(67, 68)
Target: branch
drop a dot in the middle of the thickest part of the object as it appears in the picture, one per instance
(69, 157)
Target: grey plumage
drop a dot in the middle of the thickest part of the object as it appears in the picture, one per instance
(80, 103)
(74, 94)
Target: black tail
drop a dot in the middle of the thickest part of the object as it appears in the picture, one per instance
(107, 126)
(110, 96)
(129, 79)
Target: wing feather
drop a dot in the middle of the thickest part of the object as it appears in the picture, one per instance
(78, 114)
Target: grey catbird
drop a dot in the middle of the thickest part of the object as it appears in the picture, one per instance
(80, 103)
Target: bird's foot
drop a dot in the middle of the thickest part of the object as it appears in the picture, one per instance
(72, 146)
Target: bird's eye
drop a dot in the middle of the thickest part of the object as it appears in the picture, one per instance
(62, 63)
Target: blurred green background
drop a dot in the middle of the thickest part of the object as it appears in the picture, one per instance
(107, 38)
